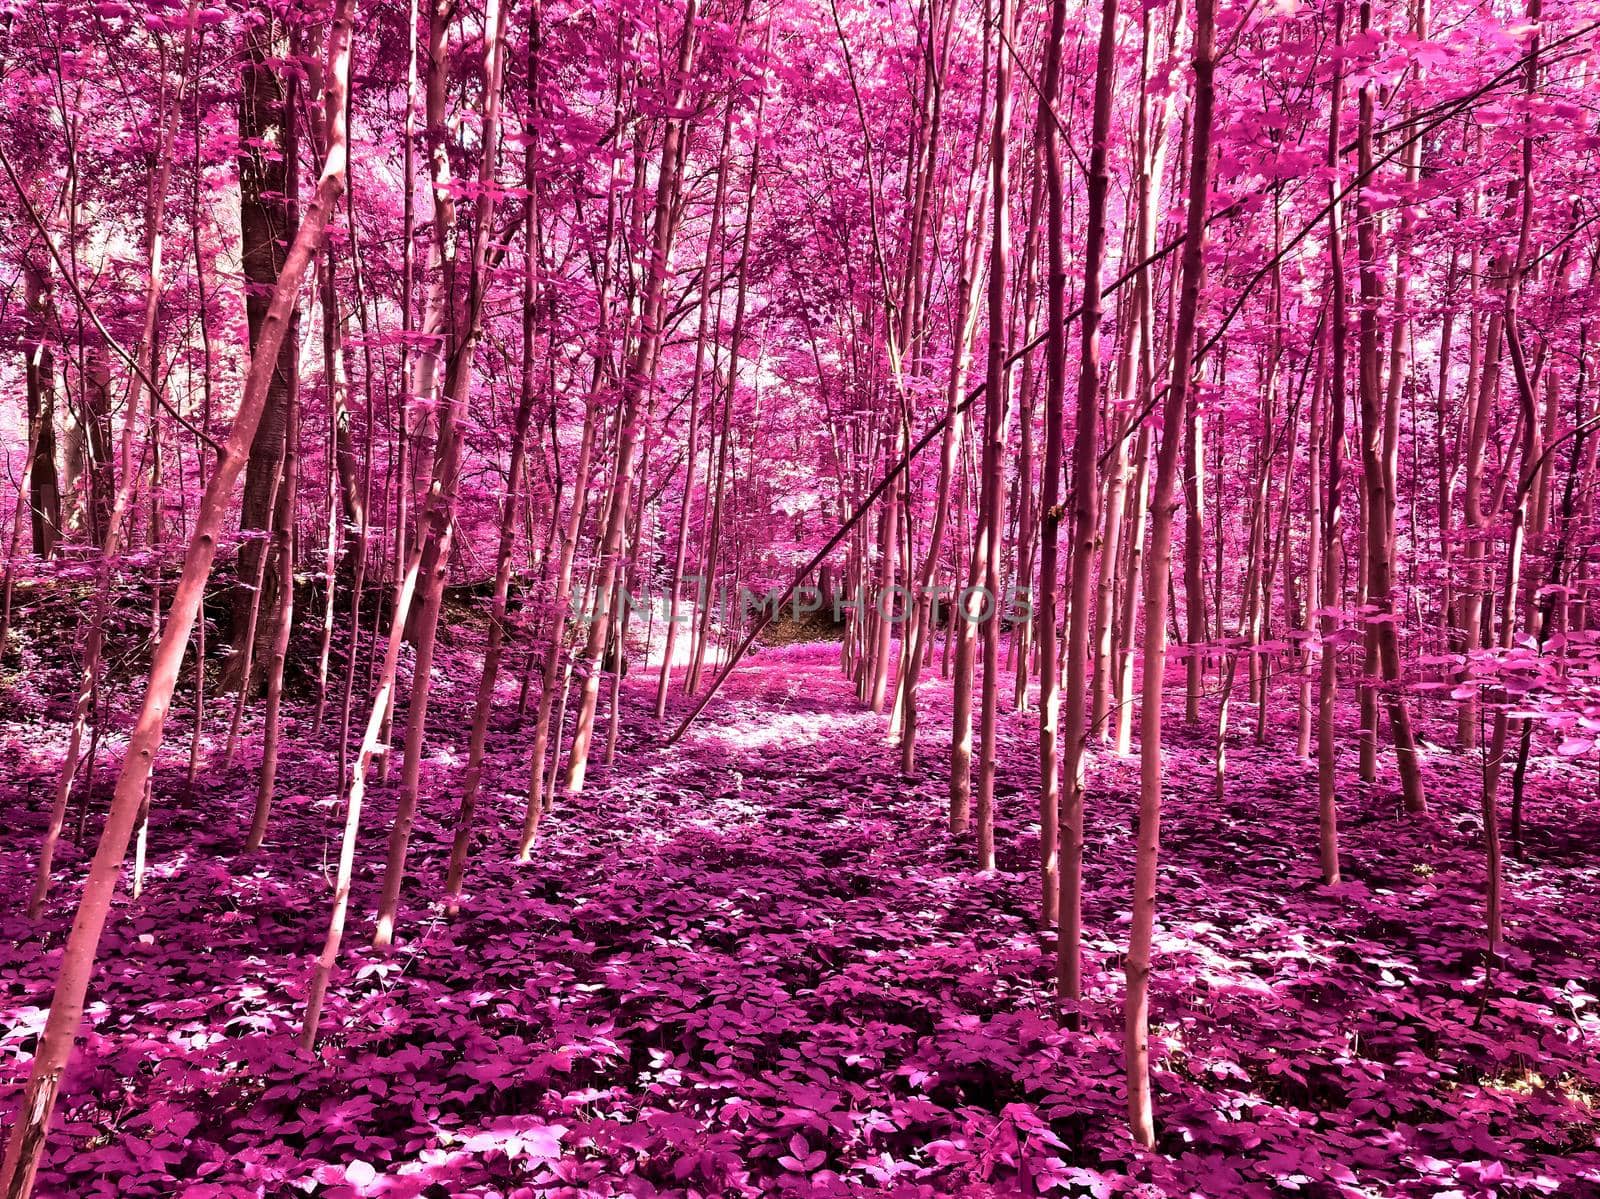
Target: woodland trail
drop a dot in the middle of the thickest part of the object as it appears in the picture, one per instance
(370, 371)
(756, 963)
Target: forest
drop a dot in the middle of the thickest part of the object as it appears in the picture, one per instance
(714, 598)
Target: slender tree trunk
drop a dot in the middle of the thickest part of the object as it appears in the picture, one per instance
(253, 614)
(1313, 562)
(203, 316)
(436, 529)
(968, 251)
(560, 606)
(1085, 493)
(14, 550)
(1333, 498)
(345, 505)
(1378, 478)
(78, 956)
(282, 622)
(358, 579)
(1136, 1003)
(484, 704)
(640, 370)
(144, 370)
(1055, 348)
(996, 403)
(322, 973)
(1528, 474)
(711, 270)
(719, 497)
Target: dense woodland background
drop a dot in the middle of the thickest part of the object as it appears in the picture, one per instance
(799, 596)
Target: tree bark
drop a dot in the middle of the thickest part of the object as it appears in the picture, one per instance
(44, 486)
(269, 141)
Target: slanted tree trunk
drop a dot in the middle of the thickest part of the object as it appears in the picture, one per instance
(78, 955)
(463, 325)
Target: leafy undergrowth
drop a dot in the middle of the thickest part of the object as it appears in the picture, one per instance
(756, 964)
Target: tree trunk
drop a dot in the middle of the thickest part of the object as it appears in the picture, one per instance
(484, 703)
(283, 546)
(269, 143)
(463, 327)
(1085, 493)
(143, 365)
(639, 371)
(78, 956)
(1333, 497)
(711, 270)
(1055, 387)
(995, 409)
(1378, 479)
(39, 361)
(1136, 1003)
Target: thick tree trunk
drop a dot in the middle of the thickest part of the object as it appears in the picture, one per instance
(269, 141)
(39, 362)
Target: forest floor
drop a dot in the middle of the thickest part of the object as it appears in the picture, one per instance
(756, 964)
